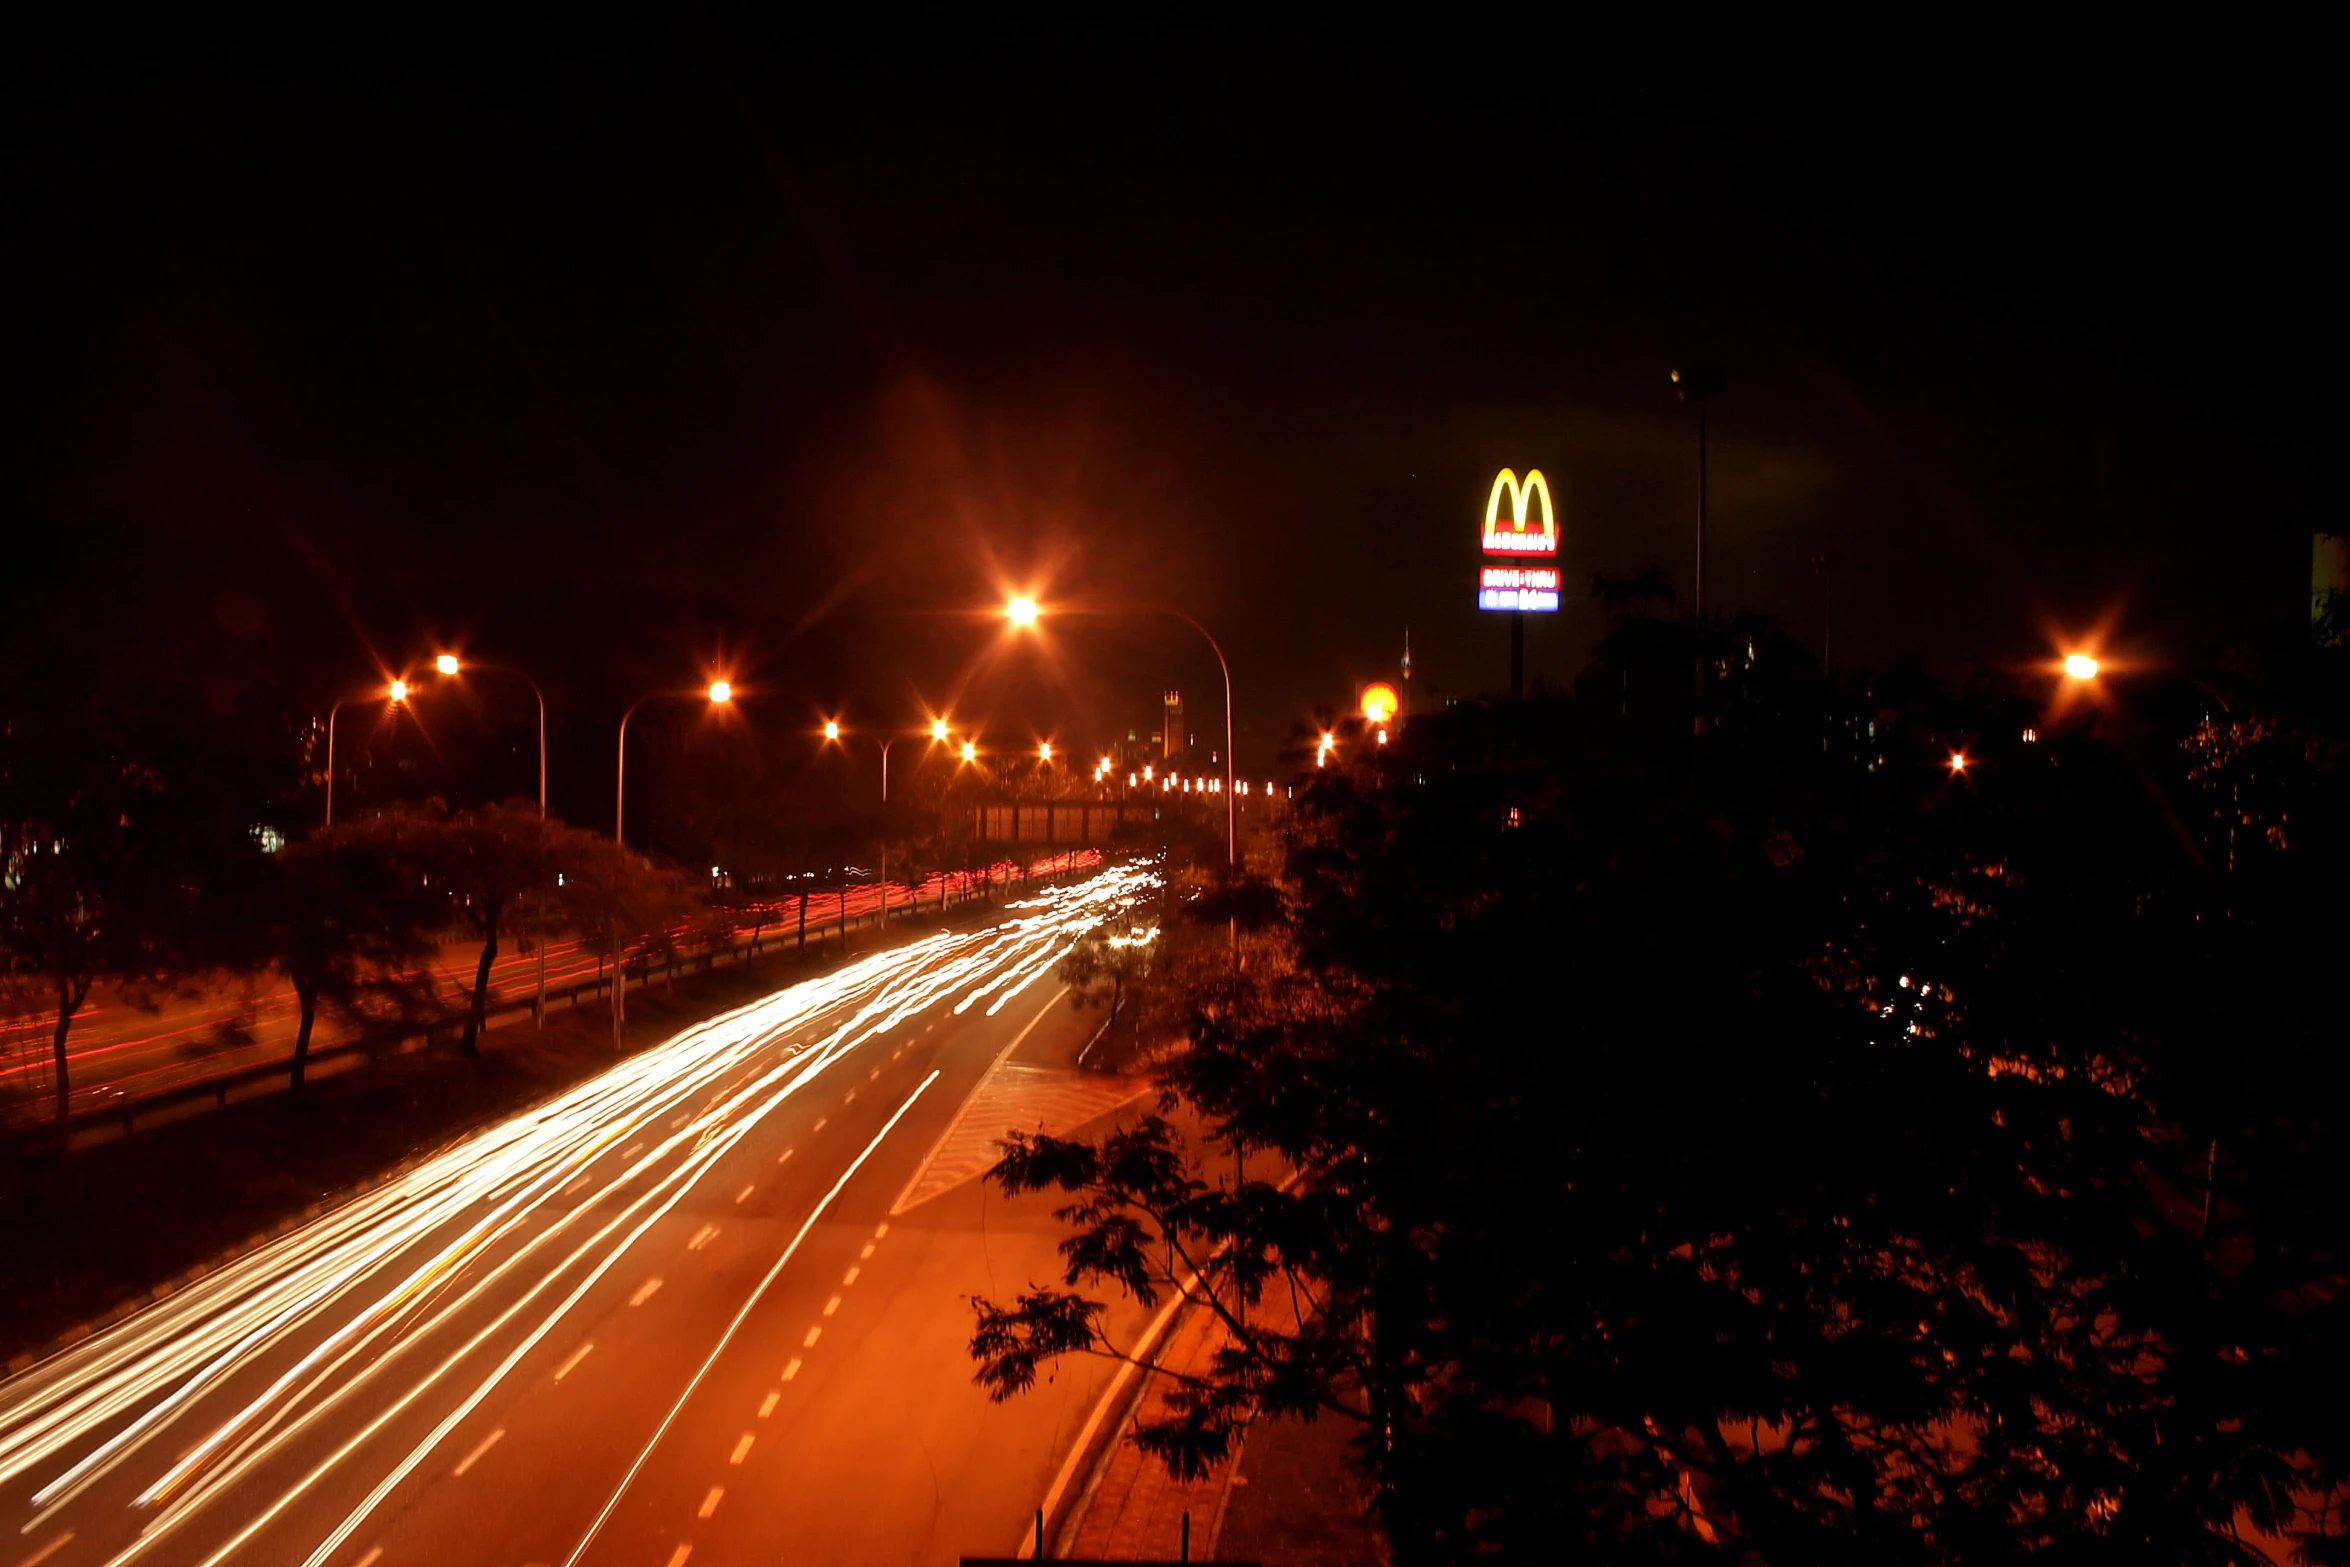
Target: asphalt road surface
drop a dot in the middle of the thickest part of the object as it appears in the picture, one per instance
(710, 1306)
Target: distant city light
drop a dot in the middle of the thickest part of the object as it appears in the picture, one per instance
(2031, 735)
(1146, 773)
(1382, 737)
(446, 663)
(970, 751)
(2080, 666)
(1958, 761)
(721, 691)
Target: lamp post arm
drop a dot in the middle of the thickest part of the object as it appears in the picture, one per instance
(330, 760)
(620, 774)
(1231, 829)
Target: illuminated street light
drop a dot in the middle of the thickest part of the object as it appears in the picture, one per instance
(2080, 666)
(1958, 761)
(970, 751)
(451, 665)
(395, 693)
(1382, 737)
(1044, 751)
(1022, 611)
(447, 664)
(938, 729)
(720, 693)
(831, 729)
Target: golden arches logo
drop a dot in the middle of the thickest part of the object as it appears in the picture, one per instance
(1513, 537)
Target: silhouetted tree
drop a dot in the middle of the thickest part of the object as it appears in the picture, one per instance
(1755, 1150)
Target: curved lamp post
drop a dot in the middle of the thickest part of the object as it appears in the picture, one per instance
(395, 695)
(719, 692)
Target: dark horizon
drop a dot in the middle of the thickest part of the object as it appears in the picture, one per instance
(634, 358)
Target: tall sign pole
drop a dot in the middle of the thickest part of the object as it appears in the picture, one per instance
(1520, 571)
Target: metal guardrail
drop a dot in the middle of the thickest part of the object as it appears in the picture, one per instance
(104, 1122)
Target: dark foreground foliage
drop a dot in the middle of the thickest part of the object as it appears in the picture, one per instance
(1779, 1147)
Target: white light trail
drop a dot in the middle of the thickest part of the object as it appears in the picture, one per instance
(195, 1394)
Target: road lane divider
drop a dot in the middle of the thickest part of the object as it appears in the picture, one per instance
(735, 1326)
(474, 1457)
(572, 1364)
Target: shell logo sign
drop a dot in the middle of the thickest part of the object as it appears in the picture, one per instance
(1379, 702)
(1519, 587)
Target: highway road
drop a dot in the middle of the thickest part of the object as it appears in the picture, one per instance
(118, 1049)
(709, 1306)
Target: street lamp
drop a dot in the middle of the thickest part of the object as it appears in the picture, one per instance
(395, 693)
(1023, 612)
(938, 729)
(1044, 751)
(2080, 666)
(451, 664)
(938, 732)
(970, 751)
(1698, 384)
(719, 693)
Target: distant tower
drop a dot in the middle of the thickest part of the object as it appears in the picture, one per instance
(1172, 741)
(1406, 700)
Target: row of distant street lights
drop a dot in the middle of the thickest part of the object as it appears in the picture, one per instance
(1021, 612)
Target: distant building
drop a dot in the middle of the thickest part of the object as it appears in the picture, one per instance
(2329, 583)
(1175, 740)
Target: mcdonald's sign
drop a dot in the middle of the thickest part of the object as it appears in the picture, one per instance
(1519, 587)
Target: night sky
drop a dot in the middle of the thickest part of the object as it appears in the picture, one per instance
(632, 357)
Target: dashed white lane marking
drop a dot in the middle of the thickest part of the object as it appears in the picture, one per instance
(66, 1539)
(678, 1556)
(577, 1356)
(742, 1449)
(793, 1369)
(710, 1502)
(832, 1305)
(369, 1560)
(744, 1195)
(474, 1457)
(881, 1229)
(820, 1123)
(633, 1152)
(813, 1335)
(644, 1292)
(767, 1404)
(873, 1076)
(577, 1185)
(702, 1237)
(849, 1098)
(787, 1153)
(867, 1252)
(680, 1121)
(850, 1277)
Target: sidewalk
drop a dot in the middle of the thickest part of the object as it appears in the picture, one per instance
(1284, 1498)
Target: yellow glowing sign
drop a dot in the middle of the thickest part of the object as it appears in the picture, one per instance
(1513, 537)
(1380, 702)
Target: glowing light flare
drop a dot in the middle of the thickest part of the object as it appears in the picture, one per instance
(1021, 611)
(397, 691)
(1958, 761)
(1044, 751)
(2080, 666)
(721, 691)
(1382, 737)
(831, 730)
(938, 729)
(970, 751)
(1380, 702)
(447, 664)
